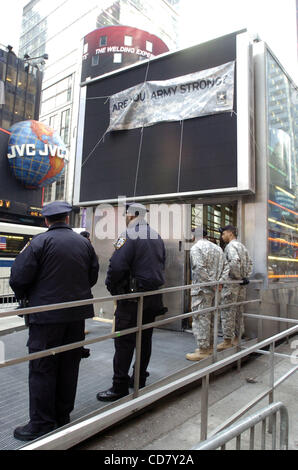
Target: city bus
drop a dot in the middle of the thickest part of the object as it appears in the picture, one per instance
(13, 238)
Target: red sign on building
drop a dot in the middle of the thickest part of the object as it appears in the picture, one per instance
(113, 47)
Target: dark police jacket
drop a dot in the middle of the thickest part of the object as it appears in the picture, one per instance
(139, 255)
(57, 266)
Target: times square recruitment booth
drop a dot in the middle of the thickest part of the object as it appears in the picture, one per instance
(235, 163)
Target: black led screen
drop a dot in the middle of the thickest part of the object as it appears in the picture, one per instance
(166, 158)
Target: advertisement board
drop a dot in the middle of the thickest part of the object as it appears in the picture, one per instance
(196, 154)
(112, 47)
(15, 198)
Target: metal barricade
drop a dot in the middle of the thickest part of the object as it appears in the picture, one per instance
(140, 398)
(236, 431)
(6, 293)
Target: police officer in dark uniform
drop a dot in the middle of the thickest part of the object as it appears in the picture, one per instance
(137, 265)
(57, 266)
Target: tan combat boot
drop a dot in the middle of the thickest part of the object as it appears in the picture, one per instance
(227, 343)
(210, 349)
(235, 341)
(198, 355)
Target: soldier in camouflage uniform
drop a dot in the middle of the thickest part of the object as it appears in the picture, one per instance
(240, 268)
(207, 264)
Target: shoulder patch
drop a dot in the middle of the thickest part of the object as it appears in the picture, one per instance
(119, 243)
(26, 246)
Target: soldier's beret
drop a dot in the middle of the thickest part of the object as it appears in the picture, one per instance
(56, 208)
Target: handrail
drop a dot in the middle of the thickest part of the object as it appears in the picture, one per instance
(97, 421)
(142, 398)
(80, 303)
(138, 328)
(234, 431)
(203, 373)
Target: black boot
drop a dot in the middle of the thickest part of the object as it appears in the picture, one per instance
(29, 433)
(111, 395)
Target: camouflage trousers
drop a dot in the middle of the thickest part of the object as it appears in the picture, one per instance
(203, 323)
(232, 317)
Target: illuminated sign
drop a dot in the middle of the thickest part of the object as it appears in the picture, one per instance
(34, 212)
(5, 204)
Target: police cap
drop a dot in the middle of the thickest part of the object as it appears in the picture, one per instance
(56, 208)
(135, 209)
(229, 228)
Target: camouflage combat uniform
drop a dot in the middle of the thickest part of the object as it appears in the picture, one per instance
(208, 264)
(240, 266)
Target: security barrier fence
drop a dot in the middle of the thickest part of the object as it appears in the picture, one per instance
(77, 432)
(6, 294)
(236, 431)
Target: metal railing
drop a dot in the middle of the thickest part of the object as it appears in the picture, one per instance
(4, 286)
(249, 423)
(139, 327)
(99, 420)
(6, 293)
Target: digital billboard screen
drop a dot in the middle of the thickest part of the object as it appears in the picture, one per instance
(184, 157)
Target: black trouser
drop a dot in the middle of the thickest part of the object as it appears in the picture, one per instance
(126, 317)
(53, 379)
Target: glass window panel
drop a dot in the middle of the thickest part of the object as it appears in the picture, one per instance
(9, 101)
(48, 193)
(60, 185)
(95, 60)
(283, 178)
(65, 126)
(128, 40)
(11, 77)
(14, 243)
(2, 71)
(117, 58)
(103, 40)
(19, 107)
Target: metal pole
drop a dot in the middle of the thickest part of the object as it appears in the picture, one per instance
(138, 347)
(215, 319)
(271, 384)
(204, 407)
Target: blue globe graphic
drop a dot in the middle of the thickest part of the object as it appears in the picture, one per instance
(36, 154)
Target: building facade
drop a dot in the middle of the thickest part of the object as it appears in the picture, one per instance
(112, 47)
(57, 28)
(20, 88)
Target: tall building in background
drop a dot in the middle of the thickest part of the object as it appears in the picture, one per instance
(20, 88)
(57, 28)
(297, 23)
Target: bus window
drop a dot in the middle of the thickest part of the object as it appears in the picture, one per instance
(11, 244)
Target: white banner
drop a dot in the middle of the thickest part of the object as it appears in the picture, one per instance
(197, 94)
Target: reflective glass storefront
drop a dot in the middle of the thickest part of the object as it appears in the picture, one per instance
(282, 105)
(20, 83)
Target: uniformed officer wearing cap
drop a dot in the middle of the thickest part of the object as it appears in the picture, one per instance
(58, 265)
(137, 264)
(240, 268)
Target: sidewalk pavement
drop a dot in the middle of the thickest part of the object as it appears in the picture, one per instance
(168, 356)
(10, 324)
